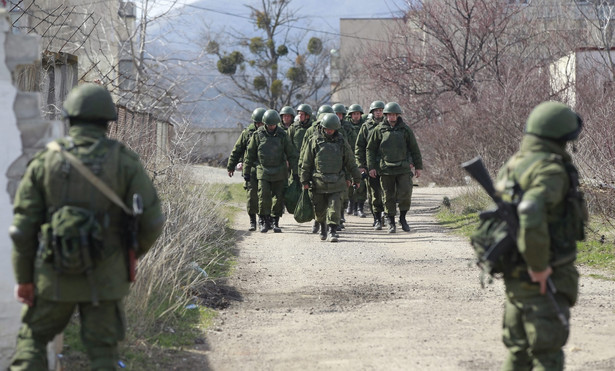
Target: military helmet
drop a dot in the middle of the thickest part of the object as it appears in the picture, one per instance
(392, 107)
(271, 117)
(339, 108)
(325, 108)
(376, 104)
(257, 115)
(287, 110)
(554, 120)
(331, 121)
(305, 108)
(90, 102)
(355, 108)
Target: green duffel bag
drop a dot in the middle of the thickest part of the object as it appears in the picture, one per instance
(304, 212)
(291, 196)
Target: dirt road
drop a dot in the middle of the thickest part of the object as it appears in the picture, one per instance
(375, 301)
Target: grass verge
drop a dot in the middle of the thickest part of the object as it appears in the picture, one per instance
(460, 214)
(167, 309)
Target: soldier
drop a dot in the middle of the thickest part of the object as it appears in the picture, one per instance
(322, 110)
(542, 178)
(357, 196)
(238, 157)
(327, 159)
(80, 259)
(393, 145)
(287, 113)
(269, 150)
(350, 136)
(298, 128)
(374, 190)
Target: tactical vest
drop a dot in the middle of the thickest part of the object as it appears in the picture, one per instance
(270, 150)
(83, 225)
(567, 222)
(393, 146)
(329, 156)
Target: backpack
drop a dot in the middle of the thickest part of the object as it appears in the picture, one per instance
(79, 214)
(495, 245)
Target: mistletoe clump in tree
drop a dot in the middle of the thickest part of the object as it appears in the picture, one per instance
(275, 68)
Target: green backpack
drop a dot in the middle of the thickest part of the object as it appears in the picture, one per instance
(77, 233)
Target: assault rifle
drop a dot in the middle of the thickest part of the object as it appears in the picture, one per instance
(508, 213)
(137, 210)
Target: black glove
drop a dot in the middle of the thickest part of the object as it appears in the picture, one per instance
(296, 178)
(246, 177)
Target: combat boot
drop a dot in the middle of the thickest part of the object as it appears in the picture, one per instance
(360, 210)
(378, 221)
(391, 222)
(315, 227)
(342, 219)
(403, 222)
(252, 222)
(323, 231)
(265, 223)
(276, 226)
(355, 209)
(350, 207)
(333, 236)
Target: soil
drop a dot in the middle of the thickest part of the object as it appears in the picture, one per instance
(377, 301)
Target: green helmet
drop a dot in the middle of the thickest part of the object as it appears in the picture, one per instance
(305, 108)
(331, 121)
(325, 108)
(376, 104)
(287, 110)
(257, 115)
(90, 102)
(392, 107)
(271, 117)
(554, 120)
(339, 108)
(355, 108)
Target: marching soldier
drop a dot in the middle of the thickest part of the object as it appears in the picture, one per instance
(238, 156)
(393, 148)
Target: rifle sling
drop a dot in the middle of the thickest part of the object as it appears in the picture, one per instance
(90, 176)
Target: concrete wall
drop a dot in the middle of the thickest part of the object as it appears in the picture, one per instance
(212, 145)
(359, 38)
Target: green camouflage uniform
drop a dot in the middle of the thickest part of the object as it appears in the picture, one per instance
(393, 149)
(374, 189)
(269, 154)
(359, 195)
(532, 332)
(239, 155)
(46, 187)
(327, 162)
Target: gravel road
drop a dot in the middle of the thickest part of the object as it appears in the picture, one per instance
(376, 301)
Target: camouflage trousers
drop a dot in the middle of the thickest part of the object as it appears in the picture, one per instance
(532, 331)
(328, 207)
(271, 197)
(251, 188)
(396, 189)
(374, 194)
(102, 327)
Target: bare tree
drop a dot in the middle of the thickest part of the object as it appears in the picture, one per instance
(277, 67)
(468, 73)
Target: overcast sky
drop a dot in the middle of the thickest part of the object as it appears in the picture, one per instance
(325, 14)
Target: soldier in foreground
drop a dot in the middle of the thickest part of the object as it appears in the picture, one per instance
(269, 150)
(357, 196)
(393, 148)
(326, 161)
(80, 260)
(374, 190)
(541, 178)
(238, 157)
